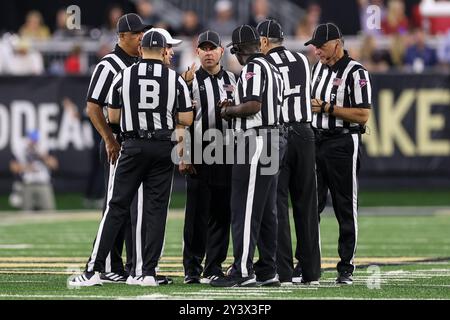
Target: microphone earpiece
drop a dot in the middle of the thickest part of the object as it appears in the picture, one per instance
(234, 50)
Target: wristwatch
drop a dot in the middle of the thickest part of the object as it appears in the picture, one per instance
(331, 108)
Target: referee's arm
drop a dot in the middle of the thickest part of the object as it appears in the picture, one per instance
(95, 114)
(350, 114)
(99, 87)
(243, 110)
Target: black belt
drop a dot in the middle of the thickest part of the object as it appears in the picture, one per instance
(272, 127)
(300, 128)
(297, 124)
(335, 132)
(147, 135)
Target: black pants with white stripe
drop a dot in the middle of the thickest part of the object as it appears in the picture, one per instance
(207, 220)
(298, 178)
(253, 208)
(114, 261)
(139, 231)
(338, 160)
(147, 161)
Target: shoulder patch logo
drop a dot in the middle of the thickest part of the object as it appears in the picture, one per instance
(362, 82)
(249, 75)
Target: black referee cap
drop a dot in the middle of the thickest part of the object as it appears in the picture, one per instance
(271, 29)
(243, 34)
(324, 33)
(131, 22)
(153, 39)
(210, 37)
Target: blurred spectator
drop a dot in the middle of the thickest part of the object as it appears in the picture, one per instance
(166, 26)
(190, 26)
(34, 166)
(188, 56)
(147, 12)
(109, 30)
(223, 23)
(395, 20)
(20, 58)
(366, 16)
(374, 59)
(412, 9)
(419, 55)
(440, 24)
(397, 47)
(308, 22)
(34, 27)
(61, 31)
(260, 12)
(444, 50)
(72, 65)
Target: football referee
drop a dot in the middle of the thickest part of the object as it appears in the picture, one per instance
(258, 98)
(341, 102)
(130, 29)
(298, 171)
(208, 185)
(148, 99)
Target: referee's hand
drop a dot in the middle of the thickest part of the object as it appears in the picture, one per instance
(112, 150)
(186, 168)
(316, 105)
(189, 74)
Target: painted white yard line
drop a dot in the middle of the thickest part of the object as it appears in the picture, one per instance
(23, 281)
(57, 296)
(160, 297)
(16, 246)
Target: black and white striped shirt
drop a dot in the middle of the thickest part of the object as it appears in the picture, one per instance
(294, 68)
(104, 73)
(259, 81)
(149, 94)
(346, 84)
(208, 90)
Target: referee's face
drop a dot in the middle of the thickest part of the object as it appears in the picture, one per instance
(209, 55)
(168, 54)
(327, 51)
(132, 40)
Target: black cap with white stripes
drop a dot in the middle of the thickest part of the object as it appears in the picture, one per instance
(270, 29)
(324, 33)
(243, 34)
(131, 22)
(153, 39)
(210, 37)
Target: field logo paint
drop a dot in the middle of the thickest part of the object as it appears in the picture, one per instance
(374, 280)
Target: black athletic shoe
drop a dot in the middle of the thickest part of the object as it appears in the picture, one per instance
(112, 277)
(268, 282)
(234, 281)
(163, 280)
(345, 278)
(297, 275)
(208, 279)
(192, 279)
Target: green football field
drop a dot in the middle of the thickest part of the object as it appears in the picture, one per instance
(404, 256)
